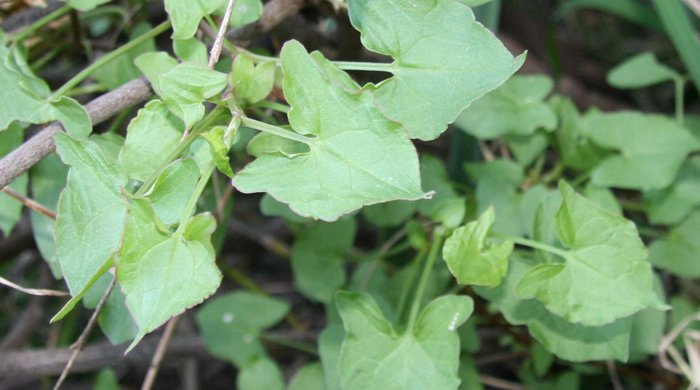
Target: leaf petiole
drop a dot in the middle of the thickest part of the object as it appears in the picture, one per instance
(438, 239)
(191, 206)
(344, 65)
(366, 66)
(29, 31)
(82, 75)
(531, 244)
(276, 130)
(206, 123)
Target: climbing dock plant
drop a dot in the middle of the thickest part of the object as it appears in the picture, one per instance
(136, 224)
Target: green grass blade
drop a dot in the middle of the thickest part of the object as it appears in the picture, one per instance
(675, 18)
(631, 10)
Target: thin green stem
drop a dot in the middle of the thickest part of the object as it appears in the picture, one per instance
(680, 97)
(204, 124)
(46, 57)
(345, 65)
(90, 88)
(291, 343)
(191, 206)
(85, 73)
(531, 244)
(276, 130)
(405, 290)
(241, 278)
(39, 24)
(554, 174)
(438, 238)
(365, 66)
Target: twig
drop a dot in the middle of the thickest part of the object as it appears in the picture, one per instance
(40, 292)
(82, 339)
(614, 376)
(693, 5)
(30, 203)
(30, 319)
(486, 152)
(264, 239)
(275, 12)
(500, 383)
(219, 41)
(158, 355)
(36, 363)
(100, 109)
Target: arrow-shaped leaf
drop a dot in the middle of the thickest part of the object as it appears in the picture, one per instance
(443, 59)
(356, 156)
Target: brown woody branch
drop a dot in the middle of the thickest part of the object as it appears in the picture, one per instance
(43, 362)
(100, 109)
(131, 93)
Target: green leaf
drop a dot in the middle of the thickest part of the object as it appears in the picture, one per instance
(527, 148)
(576, 148)
(72, 116)
(162, 275)
(191, 50)
(30, 98)
(48, 177)
(469, 374)
(91, 216)
(270, 207)
(374, 356)
(265, 143)
(232, 323)
(642, 70)
(173, 189)
(497, 185)
(353, 147)
(246, 12)
(443, 60)
(106, 380)
(567, 340)
(603, 198)
(186, 86)
(150, 138)
(474, 3)
(185, 15)
(317, 258)
(672, 205)
(262, 373)
(10, 208)
(605, 275)
(220, 143)
(516, 107)
(678, 253)
(183, 87)
(85, 5)
(154, 64)
(652, 149)
(471, 259)
(249, 82)
(309, 377)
